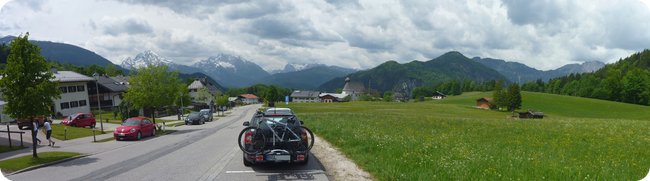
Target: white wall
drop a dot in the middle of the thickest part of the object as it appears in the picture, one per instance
(69, 97)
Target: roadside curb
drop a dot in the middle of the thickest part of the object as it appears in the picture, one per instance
(46, 164)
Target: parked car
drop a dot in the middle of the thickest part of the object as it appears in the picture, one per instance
(26, 123)
(80, 120)
(135, 128)
(276, 145)
(194, 118)
(207, 114)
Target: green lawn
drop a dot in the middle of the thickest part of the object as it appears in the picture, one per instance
(5, 148)
(448, 139)
(73, 132)
(15, 164)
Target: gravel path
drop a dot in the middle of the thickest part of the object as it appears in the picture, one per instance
(337, 166)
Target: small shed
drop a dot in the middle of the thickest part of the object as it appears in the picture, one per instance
(531, 115)
(438, 95)
(484, 103)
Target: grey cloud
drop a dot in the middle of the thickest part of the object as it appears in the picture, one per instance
(200, 9)
(537, 12)
(255, 10)
(288, 29)
(344, 3)
(128, 26)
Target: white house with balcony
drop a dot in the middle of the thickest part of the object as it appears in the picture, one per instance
(74, 93)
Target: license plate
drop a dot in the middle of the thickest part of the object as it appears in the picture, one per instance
(280, 157)
(121, 134)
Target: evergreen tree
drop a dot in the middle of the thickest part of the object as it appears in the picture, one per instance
(27, 84)
(499, 97)
(514, 97)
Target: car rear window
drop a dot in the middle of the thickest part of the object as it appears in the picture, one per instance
(278, 112)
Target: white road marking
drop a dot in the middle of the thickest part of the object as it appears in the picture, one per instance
(213, 172)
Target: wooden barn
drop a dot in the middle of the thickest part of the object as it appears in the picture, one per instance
(484, 103)
(531, 115)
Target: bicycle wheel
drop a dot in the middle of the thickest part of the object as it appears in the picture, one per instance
(251, 140)
(307, 140)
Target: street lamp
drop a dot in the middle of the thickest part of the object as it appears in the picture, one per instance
(181, 104)
(99, 103)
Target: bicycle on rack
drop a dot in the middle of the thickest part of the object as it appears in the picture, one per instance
(275, 139)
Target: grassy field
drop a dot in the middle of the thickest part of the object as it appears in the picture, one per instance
(58, 132)
(581, 138)
(15, 164)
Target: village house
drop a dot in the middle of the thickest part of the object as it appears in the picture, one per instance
(331, 97)
(74, 93)
(305, 96)
(438, 95)
(110, 92)
(249, 99)
(484, 103)
(201, 83)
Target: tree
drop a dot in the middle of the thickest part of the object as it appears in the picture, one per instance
(183, 97)
(152, 87)
(112, 70)
(221, 100)
(203, 95)
(27, 84)
(499, 97)
(636, 86)
(514, 97)
(388, 96)
(271, 95)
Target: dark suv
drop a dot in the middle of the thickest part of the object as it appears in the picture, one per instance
(277, 125)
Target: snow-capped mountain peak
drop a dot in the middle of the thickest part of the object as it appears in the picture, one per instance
(145, 59)
(294, 67)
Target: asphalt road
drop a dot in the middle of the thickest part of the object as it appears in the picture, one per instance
(195, 152)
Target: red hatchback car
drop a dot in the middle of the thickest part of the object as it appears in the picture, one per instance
(80, 120)
(135, 128)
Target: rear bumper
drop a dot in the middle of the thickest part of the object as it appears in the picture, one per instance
(298, 157)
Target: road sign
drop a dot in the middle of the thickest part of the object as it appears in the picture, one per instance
(286, 100)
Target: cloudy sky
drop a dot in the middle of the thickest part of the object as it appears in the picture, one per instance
(544, 34)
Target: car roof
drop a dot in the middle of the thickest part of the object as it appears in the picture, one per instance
(137, 118)
(278, 109)
(205, 109)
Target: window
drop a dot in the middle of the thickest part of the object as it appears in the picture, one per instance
(74, 104)
(65, 105)
(81, 88)
(72, 88)
(63, 89)
(82, 103)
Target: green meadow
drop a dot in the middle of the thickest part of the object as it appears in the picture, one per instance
(580, 139)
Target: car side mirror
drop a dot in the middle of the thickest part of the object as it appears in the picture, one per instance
(301, 122)
(246, 123)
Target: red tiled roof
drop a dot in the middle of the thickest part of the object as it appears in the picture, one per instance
(249, 96)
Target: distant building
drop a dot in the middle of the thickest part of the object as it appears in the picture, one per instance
(110, 92)
(531, 115)
(249, 99)
(201, 83)
(74, 92)
(484, 103)
(305, 96)
(354, 89)
(438, 95)
(332, 97)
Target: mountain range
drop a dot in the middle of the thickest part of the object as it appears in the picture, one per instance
(65, 53)
(518, 72)
(234, 71)
(396, 77)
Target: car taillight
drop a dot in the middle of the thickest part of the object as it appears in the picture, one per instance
(248, 138)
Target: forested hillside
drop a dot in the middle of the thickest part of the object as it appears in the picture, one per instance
(627, 80)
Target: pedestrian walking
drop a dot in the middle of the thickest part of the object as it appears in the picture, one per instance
(48, 132)
(35, 132)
